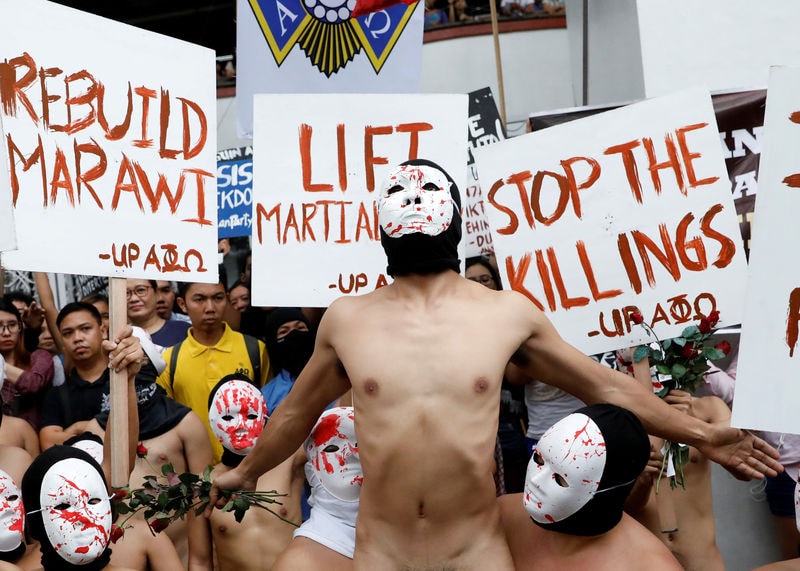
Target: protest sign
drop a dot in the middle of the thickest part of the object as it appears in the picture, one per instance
(110, 146)
(318, 165)
(234, 192)
(485, 128)
(740, 119)
(769, 356)
(8, 238)
(314, 46)
(626, 209)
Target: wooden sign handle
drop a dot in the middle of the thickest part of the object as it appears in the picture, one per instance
(117, 429)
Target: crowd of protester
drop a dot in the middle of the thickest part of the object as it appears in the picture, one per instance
(207, 347)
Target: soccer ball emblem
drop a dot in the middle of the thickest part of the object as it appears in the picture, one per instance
(331, 11)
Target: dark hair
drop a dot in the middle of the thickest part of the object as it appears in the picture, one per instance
(238, 283)
(183, 287)
(75, 307)
(18, 295)
(93, 298)
(8, 307)
(484, 261)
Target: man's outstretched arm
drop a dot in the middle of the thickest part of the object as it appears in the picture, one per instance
(546, 356)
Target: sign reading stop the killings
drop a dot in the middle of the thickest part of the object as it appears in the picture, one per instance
(318, 165)
(625, 211)
(109, 146)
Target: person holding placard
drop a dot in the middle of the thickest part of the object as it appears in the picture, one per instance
(425, 358)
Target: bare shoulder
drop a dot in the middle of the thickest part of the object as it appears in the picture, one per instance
(648, 547)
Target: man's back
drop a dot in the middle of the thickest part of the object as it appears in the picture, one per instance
(425, 368)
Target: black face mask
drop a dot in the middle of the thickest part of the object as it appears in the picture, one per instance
(422, 254)
(293, 351)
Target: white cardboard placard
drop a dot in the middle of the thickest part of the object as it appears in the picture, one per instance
(767, 395)
(318, 239)
(580, 227)
(111, 132)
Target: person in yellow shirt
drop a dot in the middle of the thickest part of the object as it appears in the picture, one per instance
(210, 351)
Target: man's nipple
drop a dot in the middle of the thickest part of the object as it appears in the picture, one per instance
(371, 387)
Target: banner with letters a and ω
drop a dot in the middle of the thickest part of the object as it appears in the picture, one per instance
(234, 192)
(317, 46)
(109, 147)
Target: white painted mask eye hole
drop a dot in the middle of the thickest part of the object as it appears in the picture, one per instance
(565, 469)
(237, 415)
(415, 199)
(332, 450)
(11, 514)
(76, 510)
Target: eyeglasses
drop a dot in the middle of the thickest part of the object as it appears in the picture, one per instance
(138, 291)
(11, 326)
(484, 279)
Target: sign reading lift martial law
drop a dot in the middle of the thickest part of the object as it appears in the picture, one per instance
(767, 395)
(110, 146)
(319, 164)
(623, 211)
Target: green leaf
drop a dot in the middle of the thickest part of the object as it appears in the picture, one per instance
(228, 507)
(712, 353)
(122, 508)
(677, 371)
(163, 499)
(238, 515)
(207, 473)
(241, 504)
(188, 478)
(640, 353)
(167, 469)
(680, 454)
(679, 341)
(690, 331)
(663, 369)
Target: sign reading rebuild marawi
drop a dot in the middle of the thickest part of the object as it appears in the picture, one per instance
(318, 165)
(767, 394)
(628, 209)
(110, 146)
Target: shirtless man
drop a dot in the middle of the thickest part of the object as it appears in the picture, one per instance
(237, 414)
(172, 434)
(694, 541)
(425, 357)
(570, 516)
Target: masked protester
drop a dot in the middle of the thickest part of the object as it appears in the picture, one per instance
(290, 342)
(68, 509)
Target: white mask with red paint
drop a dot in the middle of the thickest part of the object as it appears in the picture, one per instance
(332, 450)
(76, 510)
(415, 198)
(565, 470)
(237, 415)
(12, 514)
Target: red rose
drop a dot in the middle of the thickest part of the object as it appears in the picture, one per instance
(119, 495)
(637, 318)
(725, 347)
(688, 351)
(158, 525)
(705, 326)
(713, 318)
(116, 533)
(141, 450)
